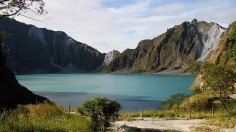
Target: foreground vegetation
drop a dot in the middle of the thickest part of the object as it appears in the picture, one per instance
(194, 106)
(93, 115)
(43, 117)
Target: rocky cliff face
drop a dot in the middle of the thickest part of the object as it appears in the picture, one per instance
(37, 50)
(110, 56)
(224, 54)
(189, 41)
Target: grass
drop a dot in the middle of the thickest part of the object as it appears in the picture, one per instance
(43, 117)
(221, 118)
(226, 121)
(204, 129)
(49, 117)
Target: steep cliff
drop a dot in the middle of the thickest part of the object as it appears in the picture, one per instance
(189, 41)
(225, 54)
(38, 50)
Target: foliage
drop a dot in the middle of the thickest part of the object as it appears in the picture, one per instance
(232, 34)
(174, 101)
(225, 122)
(145, 113)
(194, 66)
(218, 77)
(198, 102)
(170, 114)
(230, 53)
(16, 7)
(43, 117)
(101, 109)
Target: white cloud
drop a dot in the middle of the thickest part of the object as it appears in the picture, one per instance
(108, 28)
(171, 8)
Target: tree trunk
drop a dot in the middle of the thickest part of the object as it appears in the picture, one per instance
(222, 100)
(223, 103)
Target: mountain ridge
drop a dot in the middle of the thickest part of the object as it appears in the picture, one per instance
(224, 55)
(39, 50)
(172, 50)
(56, 52)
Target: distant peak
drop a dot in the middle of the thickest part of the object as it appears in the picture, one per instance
(194, 21)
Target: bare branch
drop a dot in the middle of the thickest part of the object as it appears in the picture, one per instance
(36, 19)
(15, 7)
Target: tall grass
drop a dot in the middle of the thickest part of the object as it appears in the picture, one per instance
(43, 117)
(225, 122)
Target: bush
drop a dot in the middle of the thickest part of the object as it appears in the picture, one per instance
(198, 102)
(194, 67)
(101, 109)
(174, 101)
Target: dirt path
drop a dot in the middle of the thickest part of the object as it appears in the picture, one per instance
(158, 124)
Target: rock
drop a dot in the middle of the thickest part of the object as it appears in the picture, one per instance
(217, 55)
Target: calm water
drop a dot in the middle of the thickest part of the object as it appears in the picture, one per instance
(133, 91)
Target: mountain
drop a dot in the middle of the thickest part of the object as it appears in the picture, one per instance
(38, 50)
(225, 54)
(172, 50)
(11, 92)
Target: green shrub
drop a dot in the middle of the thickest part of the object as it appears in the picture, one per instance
(174, 101)
(194, 67)
(101, 109)
(198, 102)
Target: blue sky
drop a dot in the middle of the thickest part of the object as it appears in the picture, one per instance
(120, 24)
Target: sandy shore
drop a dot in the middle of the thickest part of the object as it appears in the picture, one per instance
(157, 124)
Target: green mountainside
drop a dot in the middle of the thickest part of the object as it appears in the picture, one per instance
(173, 50)
(224, 55)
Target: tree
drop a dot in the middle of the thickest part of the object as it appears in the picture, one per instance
(16, 7)
(10, 8)
(9, 84)
(219, 78)
(101, 109)
(194, 67)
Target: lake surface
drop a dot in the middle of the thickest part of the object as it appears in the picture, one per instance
(133, 91)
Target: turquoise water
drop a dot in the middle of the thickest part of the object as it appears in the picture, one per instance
(133, 91)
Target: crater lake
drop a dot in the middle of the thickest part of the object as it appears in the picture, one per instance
(133, 91)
